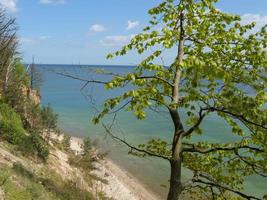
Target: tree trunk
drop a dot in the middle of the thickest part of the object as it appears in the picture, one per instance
(175, 181)
(6, 81)
(176, 161)
(176, 187)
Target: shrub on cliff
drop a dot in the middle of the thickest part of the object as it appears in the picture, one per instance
(15, 91)
(34, 145)
(49, 120)
(11, 128)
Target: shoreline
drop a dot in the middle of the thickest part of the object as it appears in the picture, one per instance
(122, 185)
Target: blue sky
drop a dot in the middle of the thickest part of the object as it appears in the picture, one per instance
(84, 31)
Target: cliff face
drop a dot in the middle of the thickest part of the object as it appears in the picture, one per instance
(24, 178)
(33, 99)
(33, 95)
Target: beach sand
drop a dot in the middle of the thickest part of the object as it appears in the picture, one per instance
(121, 185)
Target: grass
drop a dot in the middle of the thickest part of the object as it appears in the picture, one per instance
(18, 183)
(21, 183)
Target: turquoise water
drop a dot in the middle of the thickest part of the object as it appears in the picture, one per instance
(76, 110)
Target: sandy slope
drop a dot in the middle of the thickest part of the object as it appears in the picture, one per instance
(121, 185)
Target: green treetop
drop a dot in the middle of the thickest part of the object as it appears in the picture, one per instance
(220, 67)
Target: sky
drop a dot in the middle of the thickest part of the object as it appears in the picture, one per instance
(85, 31)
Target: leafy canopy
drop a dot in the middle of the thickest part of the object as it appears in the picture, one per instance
(223, 71)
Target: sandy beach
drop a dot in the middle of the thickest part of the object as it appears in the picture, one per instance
(121, 185)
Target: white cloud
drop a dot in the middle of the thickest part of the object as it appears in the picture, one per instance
(33, 41)
(9, 5)
(260, 20)
(116, 40)
(44, 37)
(52, 1)
(97, 28)
(132, 24)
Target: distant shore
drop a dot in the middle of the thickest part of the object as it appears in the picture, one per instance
(121, 184)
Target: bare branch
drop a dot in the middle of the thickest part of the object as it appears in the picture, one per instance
(81, 79)
(131, 146)
(254, 166)
(120, 108)
(212, 183)
(195, 149)
(238, 116)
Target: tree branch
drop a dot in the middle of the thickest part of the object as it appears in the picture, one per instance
(194, 149)
(133, 147)
(238, 116)
(200, 119)
(253, 166)
(155, 77)
(81, 79)
(217, 185)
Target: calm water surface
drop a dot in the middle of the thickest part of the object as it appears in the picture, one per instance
(76, 111)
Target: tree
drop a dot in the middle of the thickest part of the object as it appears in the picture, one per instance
(8, 47)
(220, 69)
(13, 77)
(35, 76)
(49, 120)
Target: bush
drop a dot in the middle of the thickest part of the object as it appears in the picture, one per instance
(82, 161)
(67, 190)
(21, 170)
(11, 127)
(49, 118)
(66, 142)
(87, 145)
(35, 145)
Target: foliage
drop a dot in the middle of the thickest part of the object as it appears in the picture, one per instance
(35, 77)
(83, 161)
(87, 145)
(65, 190)
(86, 159)
(20, 169)
(17, 95)
(21, 184)
(11, 128)
(66, 142)
(34, 145)
(49, 118)
(8, 47)
(15, 84)
(4, 175)
(25, 184)
(220, 67)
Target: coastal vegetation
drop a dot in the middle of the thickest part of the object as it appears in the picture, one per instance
(32, 155)
(219, 70)
(21, 121)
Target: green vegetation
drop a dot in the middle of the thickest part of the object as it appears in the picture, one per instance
(17, 80)
(21, 184)
(21, 118)
(49, 118)
(65, 190)
(34, 145)
(219, 69)
(87, 145)
(66, 142)
(25, 128)
(85, 161)
(11, 127)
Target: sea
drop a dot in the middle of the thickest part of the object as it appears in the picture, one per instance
(76, 105)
